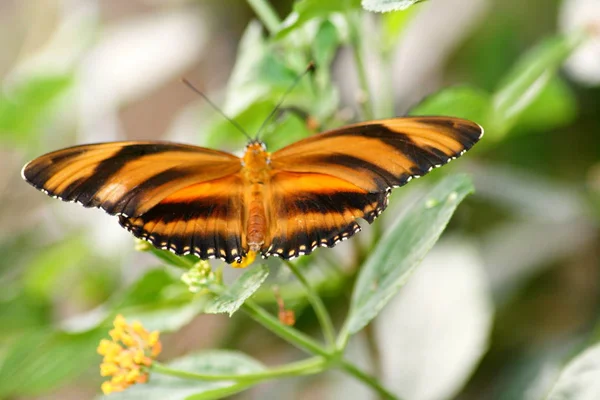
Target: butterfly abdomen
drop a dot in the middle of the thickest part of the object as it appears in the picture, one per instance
(257, 219)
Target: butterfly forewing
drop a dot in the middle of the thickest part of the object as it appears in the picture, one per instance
(126, 178)
(382, 154)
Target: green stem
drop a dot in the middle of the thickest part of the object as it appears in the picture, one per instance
(343, 339)
(354, 24)
(306, 343)
(309, 366)
(317, 304)
(285, 332)
(366, 379)
(266, 14)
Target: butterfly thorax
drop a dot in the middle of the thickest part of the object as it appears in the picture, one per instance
(256, 171)
(256, 162)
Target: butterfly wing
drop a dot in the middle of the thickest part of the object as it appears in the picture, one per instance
(125, 178)
(179, 197)
(204, 219)
(323, 183)
(315, 209)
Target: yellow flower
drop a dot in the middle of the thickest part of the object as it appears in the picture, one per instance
(249, 259)
(128, 356)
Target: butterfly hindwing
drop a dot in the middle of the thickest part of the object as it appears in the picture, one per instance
(311, 210)
(204, 219)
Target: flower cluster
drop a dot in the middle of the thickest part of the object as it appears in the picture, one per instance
(200, 277)
(128, 356)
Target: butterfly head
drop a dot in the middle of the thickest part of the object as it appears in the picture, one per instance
(256, 156)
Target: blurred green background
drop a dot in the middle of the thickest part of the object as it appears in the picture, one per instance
(510, 292)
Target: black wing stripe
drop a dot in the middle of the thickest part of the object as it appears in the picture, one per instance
(109, 167)
(325, 203)
(128, 203)
(352, 162)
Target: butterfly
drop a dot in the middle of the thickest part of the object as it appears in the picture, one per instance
(213, 204)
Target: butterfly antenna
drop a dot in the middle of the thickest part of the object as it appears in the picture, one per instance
(309, 68)
(217, 109)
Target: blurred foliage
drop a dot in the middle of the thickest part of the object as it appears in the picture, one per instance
(59, 294)
(210, 362)
(402, 249)
(25, 107)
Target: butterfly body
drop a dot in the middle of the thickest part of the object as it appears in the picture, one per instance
(256, 171)
(213, 204)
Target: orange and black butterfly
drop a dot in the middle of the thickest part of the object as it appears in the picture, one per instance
(213, 204)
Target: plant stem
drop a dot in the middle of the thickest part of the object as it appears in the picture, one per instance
(266, 14)
(366, 379)
(317, 304)
(291, 335)
(343, 336)
(309, 366)
(353, 21)
(306, 343)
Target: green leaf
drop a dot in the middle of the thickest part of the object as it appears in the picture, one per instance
(528, 79)
(235, 295)
(306, 10)
(325, 45)
(324, 48)
(388, 5)
(259, 73)
(288, 131)
(402, 248)
(259, 79)
(147, 290)
(555, 106)
(214, 362)
(580, 379)
(242, 88)
(459, 101)
(223, 134)
(167, 316)
(393, 25)
(43, 360)
(160, 302)
(42, 278)
(22, 111)
(21, 313)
